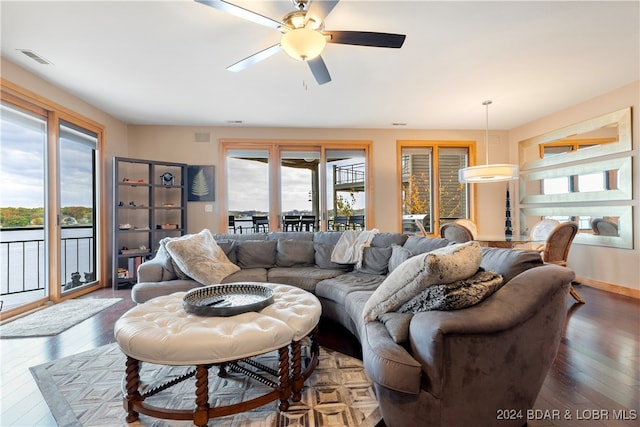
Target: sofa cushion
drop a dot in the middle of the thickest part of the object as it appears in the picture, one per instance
(256, 253)
(421, 244)
(442, 265)
(375, 260)
(248, 275)
(302, 277)
(387, 239)
(291, 253)
(322, 255)
(199, 257)
(397, 324)
(509, 263)
(399, 254)
(164, 258)
(456, 295)
(339, 287)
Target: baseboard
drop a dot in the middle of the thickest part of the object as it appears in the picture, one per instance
(615, 289)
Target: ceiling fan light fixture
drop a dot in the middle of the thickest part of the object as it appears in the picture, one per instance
(303, 44)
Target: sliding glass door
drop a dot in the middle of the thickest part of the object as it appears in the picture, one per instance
(23, 207)
(49, 210)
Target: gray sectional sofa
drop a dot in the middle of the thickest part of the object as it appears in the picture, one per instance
(483, 365)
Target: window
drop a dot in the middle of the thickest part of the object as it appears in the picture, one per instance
(296, 185)
(429, 186)
(50, 212)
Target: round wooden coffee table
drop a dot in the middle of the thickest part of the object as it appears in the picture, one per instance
(160, 331)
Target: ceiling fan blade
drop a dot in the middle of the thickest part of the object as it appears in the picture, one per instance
(365, 38)
(319, 70)
(255, 58)
(320, 8)
(241, 12)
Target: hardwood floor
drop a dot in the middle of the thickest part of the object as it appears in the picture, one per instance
(594, 380)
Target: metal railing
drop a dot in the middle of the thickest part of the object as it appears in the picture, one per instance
(350, 174)
(23, 267)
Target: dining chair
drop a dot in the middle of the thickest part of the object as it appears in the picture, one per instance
(604, 227)
(260, 222)
(356, 222)
(232, 224)
(456, 232)
(469, 225)
(340, 222)
(557, 246)
(291, 221)
(308, 222)
(540, 233)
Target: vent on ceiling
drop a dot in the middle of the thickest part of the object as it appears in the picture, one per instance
(202, 137)
(36, 57)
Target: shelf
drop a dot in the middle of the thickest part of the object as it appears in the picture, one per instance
(144, 189)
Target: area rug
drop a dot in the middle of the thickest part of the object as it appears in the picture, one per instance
(86, 390)
(56, 318)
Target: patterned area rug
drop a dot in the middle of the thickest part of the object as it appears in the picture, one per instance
(55, 318)
(86, 390)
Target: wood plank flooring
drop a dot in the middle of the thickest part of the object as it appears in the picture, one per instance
(594, 380)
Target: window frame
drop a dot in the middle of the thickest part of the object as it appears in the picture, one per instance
(435, 146)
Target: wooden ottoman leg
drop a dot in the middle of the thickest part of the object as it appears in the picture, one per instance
(297, 382)
(283, 375)
(201, 413)
(132, 394)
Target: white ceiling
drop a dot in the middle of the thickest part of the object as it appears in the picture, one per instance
(163, 62)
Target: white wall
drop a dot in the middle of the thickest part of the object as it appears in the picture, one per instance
(596, 263)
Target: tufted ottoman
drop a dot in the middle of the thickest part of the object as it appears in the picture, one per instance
(160, 331)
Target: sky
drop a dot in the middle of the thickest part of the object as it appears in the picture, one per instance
(22, 167)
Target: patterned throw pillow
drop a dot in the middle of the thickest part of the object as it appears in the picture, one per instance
(456, 295)
(199, 257)
(444, 265)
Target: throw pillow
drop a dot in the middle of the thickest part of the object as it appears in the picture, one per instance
(323, 253)
(375, 260)
(444, 265)
(199, 257)
(397, 325)
(456, 295)
(399, 255)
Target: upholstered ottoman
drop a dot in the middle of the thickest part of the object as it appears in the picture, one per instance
(160, 331)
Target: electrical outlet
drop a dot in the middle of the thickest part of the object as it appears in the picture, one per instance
(208, 208)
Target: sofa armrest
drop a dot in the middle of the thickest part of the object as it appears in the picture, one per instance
(157, 269)
(524, 318)
(388, 363)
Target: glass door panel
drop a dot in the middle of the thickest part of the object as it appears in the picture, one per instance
(453, 198)
(300, 190)
(345, 173)
(77, 217)
(417, 177)
(23, 234)
(248, 189)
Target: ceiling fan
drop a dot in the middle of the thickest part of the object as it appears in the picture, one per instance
(303, 34)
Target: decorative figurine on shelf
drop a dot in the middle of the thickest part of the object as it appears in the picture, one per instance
(508, 230)
(167, 179)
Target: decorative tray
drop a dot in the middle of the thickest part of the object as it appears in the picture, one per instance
(227, 300)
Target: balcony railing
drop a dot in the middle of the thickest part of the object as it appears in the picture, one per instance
(23, 256)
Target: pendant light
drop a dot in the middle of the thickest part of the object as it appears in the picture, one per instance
(487, 172)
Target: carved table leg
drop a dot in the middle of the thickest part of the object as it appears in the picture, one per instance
(297, 382)
(132, 385)
(283, 375)
(201, 413)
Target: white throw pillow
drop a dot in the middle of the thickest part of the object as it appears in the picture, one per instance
(199, 257)
(444, 265)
